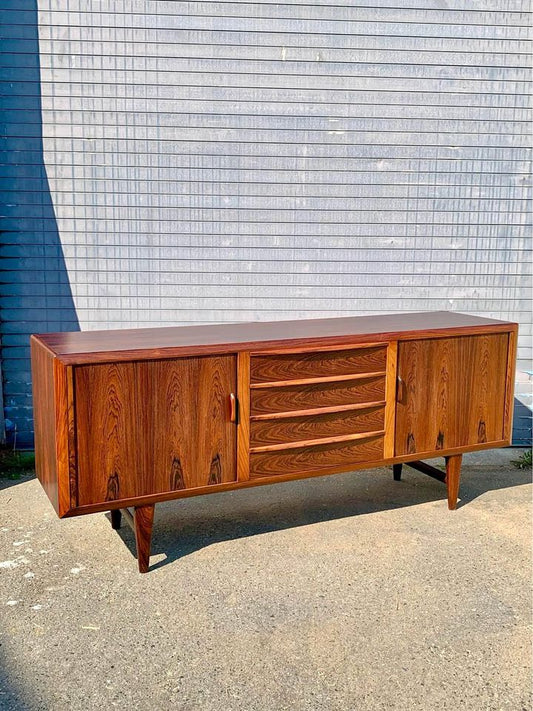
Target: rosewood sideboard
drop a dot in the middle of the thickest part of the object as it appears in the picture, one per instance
(130, 418)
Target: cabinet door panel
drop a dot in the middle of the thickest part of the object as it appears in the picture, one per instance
(195, 442)
(453, 393)
(153, 427)
(110, 454)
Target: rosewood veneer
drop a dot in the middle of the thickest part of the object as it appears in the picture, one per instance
(129, 418)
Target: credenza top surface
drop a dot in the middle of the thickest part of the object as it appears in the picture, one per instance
(124, 344)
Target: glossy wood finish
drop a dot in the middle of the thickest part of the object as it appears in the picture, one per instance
(243, 416)
(314, 442)
(52, 414)
(509, 386)
(155, 343)
(299, 397)
(144, 521)
(293, 429)
(454, 394)
(390, 398)
(317, 380)
(453, 473)
(114, 432)
(450, 478)
(141, 522)
(314, 458)
(316, 411)
(154, 427)
(44, 419)
(296, 366)
(277, 478)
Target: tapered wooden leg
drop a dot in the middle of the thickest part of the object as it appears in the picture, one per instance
(116, 519)
(453, 473)
(397, 472)
(143, 519)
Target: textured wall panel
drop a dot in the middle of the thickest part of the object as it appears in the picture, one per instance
(227, 161)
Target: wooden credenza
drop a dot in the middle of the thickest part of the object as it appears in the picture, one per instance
(129, 418)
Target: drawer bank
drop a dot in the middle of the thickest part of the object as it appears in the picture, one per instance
(129, 418)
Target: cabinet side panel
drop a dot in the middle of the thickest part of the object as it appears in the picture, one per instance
(42, 375)
(509, 387)
(65, 450)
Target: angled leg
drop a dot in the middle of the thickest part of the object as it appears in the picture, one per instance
(116, 519)
(397, 472)
(143, 519)
(453, 473)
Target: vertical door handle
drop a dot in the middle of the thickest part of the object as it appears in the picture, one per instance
(401, 390)
(232, 408)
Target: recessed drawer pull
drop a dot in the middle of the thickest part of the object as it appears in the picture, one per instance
(232, 408)
(401, 390)
(311, 381)
(317, 411)
(315, 442)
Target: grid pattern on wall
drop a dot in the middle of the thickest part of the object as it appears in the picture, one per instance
(231, 161)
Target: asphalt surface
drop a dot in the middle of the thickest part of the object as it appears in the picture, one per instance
(336, 593)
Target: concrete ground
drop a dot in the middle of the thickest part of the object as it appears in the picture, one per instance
(336, 593)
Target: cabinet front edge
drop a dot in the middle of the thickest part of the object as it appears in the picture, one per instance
(345, 340)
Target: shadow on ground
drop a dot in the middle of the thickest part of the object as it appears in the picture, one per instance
(184, 526)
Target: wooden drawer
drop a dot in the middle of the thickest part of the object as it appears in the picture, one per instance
(293, 366)
(295, 429)
(302, 397)
(315, 458)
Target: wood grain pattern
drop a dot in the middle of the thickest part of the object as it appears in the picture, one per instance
(215, 437)
(143, 520)
(310, 459)
(274, 479)
(243, 416)
(453, 473)
(61, 419)
(455, 391)
(152, 427)
(390, 397)
(156, 343)
(338, 363)
(316, 411)
(71, 439)
(299, 397)
(318, 347)
(110, 439)
(264, 432)
(509, 386)
(138, 442)
(42, 370)
(313, 381)
(314, 442)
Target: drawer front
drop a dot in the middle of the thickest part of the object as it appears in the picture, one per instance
(301, 397)
(316, 458)
(292, 366)
(294, 429)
